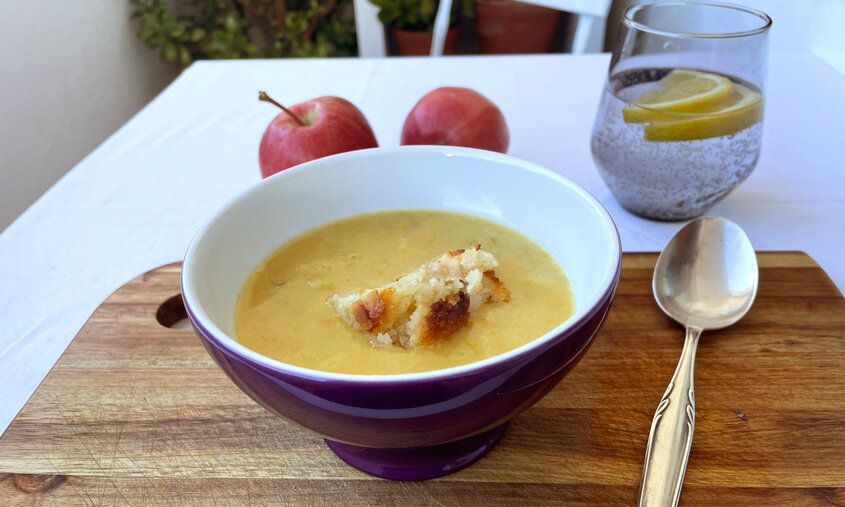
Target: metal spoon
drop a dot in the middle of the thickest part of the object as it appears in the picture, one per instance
(706, 278)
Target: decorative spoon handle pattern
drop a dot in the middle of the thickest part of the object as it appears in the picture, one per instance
(670, 438)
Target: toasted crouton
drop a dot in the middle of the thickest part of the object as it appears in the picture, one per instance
(428, 304)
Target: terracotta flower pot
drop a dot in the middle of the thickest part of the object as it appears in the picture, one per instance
(506, 26)
(417, 42)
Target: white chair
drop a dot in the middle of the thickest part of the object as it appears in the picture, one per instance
(587, 36)
(369, 30)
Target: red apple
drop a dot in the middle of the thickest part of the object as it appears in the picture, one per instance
(309, 130)
(457, 117)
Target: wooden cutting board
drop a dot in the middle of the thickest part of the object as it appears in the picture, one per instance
(135, 412)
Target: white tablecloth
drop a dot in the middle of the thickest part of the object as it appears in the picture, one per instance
(135, 202)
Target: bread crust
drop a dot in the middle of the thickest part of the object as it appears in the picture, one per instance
(444, 318)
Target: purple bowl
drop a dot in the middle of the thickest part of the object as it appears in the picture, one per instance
(418, 425)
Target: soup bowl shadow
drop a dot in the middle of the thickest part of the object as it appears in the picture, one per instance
(407, 426)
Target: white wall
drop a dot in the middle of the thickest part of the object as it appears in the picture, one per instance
(71, 73)
(816, 26)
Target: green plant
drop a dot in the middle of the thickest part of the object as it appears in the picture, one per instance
(418, 14)
(213, 29)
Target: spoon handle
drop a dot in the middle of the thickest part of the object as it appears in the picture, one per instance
(670, 438)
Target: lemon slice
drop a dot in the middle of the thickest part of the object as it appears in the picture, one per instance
(682, 90)
(743, 108)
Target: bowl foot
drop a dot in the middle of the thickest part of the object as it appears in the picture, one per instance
(421, 462)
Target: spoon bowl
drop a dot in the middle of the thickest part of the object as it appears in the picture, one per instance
(706, 277)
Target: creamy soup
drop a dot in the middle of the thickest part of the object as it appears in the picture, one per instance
(281, 311)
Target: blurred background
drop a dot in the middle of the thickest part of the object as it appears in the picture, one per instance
(74, 71)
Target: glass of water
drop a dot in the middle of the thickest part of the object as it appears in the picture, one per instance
(680, 120)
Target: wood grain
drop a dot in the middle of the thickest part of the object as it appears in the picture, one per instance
(137, 413)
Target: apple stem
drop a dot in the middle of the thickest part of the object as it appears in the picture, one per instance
(263, 97)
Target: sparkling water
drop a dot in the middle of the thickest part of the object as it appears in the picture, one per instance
(666, 180)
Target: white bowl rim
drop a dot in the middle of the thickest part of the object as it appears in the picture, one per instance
(195, 311)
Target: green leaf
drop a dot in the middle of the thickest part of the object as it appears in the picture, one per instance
(170, 51)
(426, 9)
(185, 57)
(231, 24)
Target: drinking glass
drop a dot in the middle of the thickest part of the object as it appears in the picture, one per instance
(680, 122)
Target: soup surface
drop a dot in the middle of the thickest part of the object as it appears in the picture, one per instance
(281, 311)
